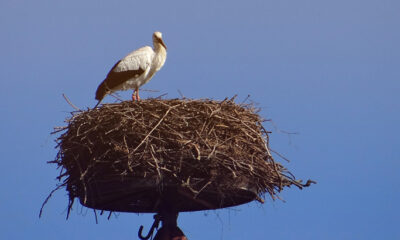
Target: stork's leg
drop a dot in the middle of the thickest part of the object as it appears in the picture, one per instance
(134, 95)
(137, 94)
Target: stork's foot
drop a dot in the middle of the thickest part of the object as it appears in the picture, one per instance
(135, 98)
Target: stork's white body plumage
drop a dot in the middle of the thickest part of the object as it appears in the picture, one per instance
(135, 69)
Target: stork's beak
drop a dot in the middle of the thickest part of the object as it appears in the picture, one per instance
(162, 43)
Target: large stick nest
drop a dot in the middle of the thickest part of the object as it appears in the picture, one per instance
(198, 145)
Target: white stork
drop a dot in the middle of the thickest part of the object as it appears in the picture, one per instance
(134, 70)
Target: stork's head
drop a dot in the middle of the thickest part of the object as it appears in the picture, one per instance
(157, 39)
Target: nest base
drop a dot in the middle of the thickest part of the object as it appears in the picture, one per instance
(148, 196)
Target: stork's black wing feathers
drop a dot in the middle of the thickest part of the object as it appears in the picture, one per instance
(115, 79)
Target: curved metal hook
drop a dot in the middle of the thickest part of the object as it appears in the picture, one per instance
(154, 226)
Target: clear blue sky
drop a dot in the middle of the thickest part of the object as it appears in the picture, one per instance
(328, 70)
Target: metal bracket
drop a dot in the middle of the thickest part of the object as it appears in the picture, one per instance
(157, 219)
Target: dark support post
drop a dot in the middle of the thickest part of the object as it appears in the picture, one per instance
(168, 216)
(169, 229)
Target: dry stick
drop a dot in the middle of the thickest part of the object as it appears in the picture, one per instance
(58, 129)
(275, 169)
(71, 104)
(279, 175)
(154, 128)
(259, 199)
(149, 90)
(248, 96)
(198, 192)
(199, 201)
(116, 96)
(109, 215)
(155, 161)
(82, 174)
(180, 93)
(162, 95)
(309, 182)
(70, 203)
(95, 215)
(280, 155)
(48, 197)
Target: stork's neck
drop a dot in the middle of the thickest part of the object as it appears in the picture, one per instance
(159, 48)
(159, 58)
